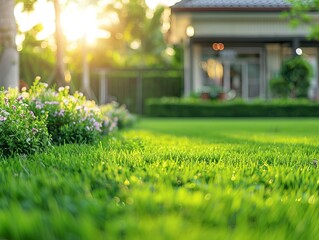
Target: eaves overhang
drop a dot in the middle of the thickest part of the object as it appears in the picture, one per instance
(228, 9)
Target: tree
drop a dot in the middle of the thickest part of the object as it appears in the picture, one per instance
(59, 71)
(9, 57)
(303, 12)
(136, 39)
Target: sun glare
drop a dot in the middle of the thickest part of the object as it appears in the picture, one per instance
(77, 23)
(80, 23)
(43, 14)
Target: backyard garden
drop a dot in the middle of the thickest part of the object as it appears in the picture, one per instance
(242, 178)
(185, 168)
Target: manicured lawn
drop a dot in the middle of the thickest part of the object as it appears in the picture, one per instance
(170, 179)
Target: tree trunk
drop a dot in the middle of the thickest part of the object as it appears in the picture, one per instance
(9, 57)
(59, 68)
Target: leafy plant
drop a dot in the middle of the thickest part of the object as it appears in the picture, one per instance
(71, 118)
(279, 87)
(294, 78)
(297, 72)
(21, 131)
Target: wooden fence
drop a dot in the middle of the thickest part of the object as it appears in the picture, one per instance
(133, 87)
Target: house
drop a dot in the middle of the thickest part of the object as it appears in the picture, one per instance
(238, 45)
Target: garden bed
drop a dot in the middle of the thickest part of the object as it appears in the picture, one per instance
(173, 107)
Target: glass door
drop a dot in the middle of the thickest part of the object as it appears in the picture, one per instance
(235, 78)
(238, 70)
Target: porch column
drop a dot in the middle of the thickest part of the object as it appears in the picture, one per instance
(273, 63)
(245, 83)
(187, 67)
(226, 83)
(196, 66)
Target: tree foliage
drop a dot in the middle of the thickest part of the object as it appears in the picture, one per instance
(303, 12)
(136, 36)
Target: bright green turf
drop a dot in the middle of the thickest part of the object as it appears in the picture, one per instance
(170, 179)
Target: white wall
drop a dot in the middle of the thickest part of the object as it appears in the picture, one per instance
(233, 24)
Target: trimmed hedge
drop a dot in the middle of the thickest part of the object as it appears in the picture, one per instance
(196, 108)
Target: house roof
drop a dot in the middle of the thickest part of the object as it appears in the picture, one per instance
(231, 5)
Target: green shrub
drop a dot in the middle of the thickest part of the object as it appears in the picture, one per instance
(190, 108)
(116, 116)
(279, 87)
(71, 118)
(30, 120)
(297, 72)
(21, 131)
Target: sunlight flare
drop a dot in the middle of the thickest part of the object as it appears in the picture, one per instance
(80, 23)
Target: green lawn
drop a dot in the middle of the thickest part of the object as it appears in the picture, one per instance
(170, 179)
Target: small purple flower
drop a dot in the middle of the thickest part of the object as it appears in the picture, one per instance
(52, 103)
(6, 101)
(32, 114)
(97, 126)
(34, 130)
(61, 113)
(39, 105)
(20, 98)
(14, 107)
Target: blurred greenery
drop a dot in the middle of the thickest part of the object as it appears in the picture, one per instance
(194, 107)
(136, 40)
(303, 12)
(36, 57)
(294, 78)
(297, 71)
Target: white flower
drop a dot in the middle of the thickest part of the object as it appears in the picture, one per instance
(5, 112)
(2, 118)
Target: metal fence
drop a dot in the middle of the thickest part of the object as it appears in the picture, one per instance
(133, 87)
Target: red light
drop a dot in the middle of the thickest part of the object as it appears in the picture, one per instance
(218, 46)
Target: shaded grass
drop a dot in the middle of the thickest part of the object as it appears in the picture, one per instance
(170, 179)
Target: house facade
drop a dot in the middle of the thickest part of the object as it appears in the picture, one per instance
(238, 45)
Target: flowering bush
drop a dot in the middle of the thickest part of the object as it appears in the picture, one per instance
(116, 116)
(21, 131)
(30, 120)
(71, 118)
